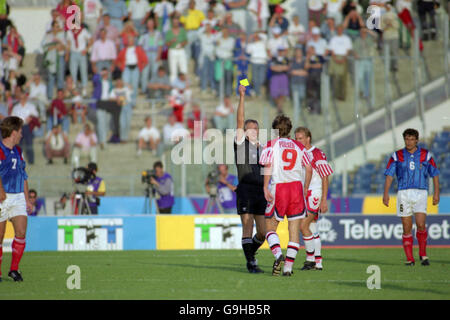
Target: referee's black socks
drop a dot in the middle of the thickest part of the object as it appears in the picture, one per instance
(256, 243)
(247, 246)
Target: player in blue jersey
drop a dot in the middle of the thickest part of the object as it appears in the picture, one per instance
(413, 166)
(14, 202)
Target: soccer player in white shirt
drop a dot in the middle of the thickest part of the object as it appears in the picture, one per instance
(285, 161)
(316, 199)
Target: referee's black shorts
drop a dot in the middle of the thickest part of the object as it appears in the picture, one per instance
(250, 199)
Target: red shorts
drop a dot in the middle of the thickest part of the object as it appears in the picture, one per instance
(288, 201)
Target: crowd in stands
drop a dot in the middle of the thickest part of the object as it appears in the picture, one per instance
(94, 73)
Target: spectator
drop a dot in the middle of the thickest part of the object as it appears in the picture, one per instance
(117, 10)
(164, 187)
(206, 59)
(298, 79)
(8, 63)
(259, 15)
(149, 136)
(226, 189)
(196, 116)
(334, 10)
(132, 60)
(180, 96)
(211, 20)
(38, 94)
(70, 89)
(112, 33)
(176, 41)
(276, 41)
(224, 61)
(241, 59)
(258, 60)
(296, 32)
(57, 113)
(104, 52)
(279, 81)
(364, 52)
(56, 145)
(162, 11)
(128, 31)
(313, 65)
(278, 20)
(328, 28)
(15, 43)
(391, 27)
(85, 145)
(340, 46)
(192, 22)
(54, 47)
(233, 28)
(159, 85)
(316, 10)
(218, 8)
(404, 9)
(56, 17)
(122, 95)
(173, 132)
(353, 23)
(102, 89)
(152, 42)
(319, 44)
(28, 113)
(138, 12)
(183, 5)
(37, 204)
(223, 116)
(78, 43)
(92, 13)
(238, 10)
(79, 110)
(96, 188)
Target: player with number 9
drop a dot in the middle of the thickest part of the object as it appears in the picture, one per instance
(14, 202)
(413, 166)
(285, 162)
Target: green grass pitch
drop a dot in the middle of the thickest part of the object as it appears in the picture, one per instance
(221, 274)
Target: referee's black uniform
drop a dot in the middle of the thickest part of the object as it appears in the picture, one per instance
(249, 193)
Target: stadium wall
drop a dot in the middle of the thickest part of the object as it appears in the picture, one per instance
(188, 232)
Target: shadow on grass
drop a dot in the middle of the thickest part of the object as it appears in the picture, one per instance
(439, 261)
(351, 260)
(390, 286)
(232, 267)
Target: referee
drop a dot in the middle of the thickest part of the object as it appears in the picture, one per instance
(251, 204)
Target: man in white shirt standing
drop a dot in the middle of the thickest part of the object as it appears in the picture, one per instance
(138, 12)
(38, 94)
(339, 48)
(258, 60)
(319, 43)
(26, 111)
(92, 12)
(78, 44)
(224, 54)
(259, 14)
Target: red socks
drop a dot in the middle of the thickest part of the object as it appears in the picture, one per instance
(18, 246)
(422, 239)
(408, 247)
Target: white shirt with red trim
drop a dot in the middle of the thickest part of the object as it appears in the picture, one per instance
(320, 166)
(288, 159)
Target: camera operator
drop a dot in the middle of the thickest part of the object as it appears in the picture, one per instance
(163, 185)
(95, 188)
(226, 187)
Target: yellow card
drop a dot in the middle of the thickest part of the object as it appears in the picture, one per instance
(244, 82)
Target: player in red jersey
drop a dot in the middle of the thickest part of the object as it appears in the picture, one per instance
(316, 199)
(285, 161)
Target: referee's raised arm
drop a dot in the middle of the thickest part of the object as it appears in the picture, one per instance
(240, 114)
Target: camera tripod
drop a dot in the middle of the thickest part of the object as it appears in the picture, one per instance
(148, 201)
(80, 204)
(213, 200)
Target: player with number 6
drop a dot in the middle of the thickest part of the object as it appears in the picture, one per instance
(413, 166)
(14, 202)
